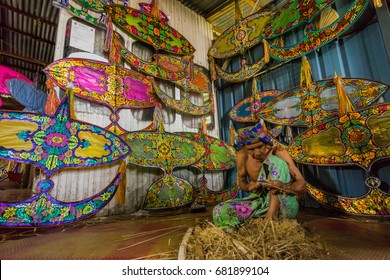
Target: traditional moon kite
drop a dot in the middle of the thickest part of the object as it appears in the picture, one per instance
(218, 156)
(292, 14)
(246, 33)
(165, 151)
(54, 143)
(315, 36)
(58, 141)
(374, 203)
(150, 30)
(360, 137)
(308, 107)
(44, 210)
(104, 83)
(247, 109)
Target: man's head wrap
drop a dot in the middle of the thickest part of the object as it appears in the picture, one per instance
(254, 134)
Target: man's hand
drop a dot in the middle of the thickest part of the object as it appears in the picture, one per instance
(254, 186)
(276, 187)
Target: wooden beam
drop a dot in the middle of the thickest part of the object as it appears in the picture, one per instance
(28, 35)
(38, 68)
(25, 58)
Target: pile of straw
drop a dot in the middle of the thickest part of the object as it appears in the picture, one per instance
(258, 239)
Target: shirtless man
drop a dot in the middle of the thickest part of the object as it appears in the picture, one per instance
(269, 174)
(249, 163)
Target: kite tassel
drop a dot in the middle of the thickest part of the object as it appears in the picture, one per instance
(109, 32)
(305, 78)
(121, 192)
(232, 133)
(377, 3)
(52, 101)
(266, 51)
(213, 72)
(345, 104)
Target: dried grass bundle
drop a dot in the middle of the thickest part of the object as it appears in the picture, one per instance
(258, 239)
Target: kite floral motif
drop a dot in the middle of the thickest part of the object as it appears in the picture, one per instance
(374, 203)
(165, 151)
(148, 8)
(44, 210)
(311, 106)
(293, 14)
(150, 30)
(198, 82)
(101, 82)
(58, 141)
(94, 5)
(83, 11)
(361, 138)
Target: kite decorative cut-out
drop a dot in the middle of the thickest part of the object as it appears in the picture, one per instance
(247, 109)
(165, 151)
(374, 203)
(246, 71)
(198, 83)
(163, 66)
(218, 156)
(150, 30)
(183, 105)
(309, 107)
(44, 210)
(317, 37)
(58, 141)
(361, 138)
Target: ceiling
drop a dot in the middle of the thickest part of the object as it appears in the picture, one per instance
(28, 30)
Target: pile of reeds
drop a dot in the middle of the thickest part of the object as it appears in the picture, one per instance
(258, 239)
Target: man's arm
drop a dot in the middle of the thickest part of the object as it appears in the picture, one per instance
(298, 185)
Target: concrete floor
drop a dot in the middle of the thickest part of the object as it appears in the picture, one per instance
(158, 236)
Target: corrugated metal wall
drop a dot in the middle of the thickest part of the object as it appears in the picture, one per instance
(72, 185)
(360, 54)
